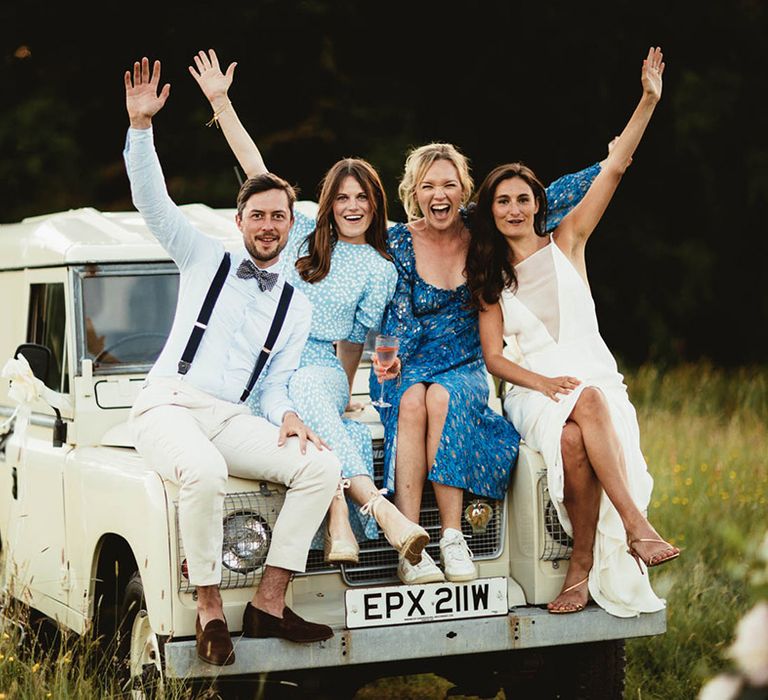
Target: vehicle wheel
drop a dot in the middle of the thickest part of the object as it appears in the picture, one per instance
(601, 670)
(594, 671)
(140, 650)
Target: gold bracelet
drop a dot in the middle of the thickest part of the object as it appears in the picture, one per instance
(215, 118)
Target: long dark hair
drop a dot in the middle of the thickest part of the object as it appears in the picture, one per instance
(315, 265)
(489, 267)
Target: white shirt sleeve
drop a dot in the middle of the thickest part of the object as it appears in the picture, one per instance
(274, 396)
(184, 243)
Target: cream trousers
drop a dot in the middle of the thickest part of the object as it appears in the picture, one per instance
(196, 441)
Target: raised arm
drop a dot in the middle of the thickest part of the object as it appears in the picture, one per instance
(492, 341)
(185, 244)
(215, 86)
(142, 100)
(575, 229)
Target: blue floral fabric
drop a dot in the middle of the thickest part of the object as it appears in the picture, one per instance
(440, 343)
(347, 303)
(566, 192)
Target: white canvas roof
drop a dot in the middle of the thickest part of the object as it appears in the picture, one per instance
(80, 236)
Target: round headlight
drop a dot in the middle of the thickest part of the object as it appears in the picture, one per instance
(246, 542)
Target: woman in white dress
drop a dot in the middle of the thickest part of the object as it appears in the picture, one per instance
(533, 290)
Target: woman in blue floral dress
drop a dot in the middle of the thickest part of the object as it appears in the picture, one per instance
(440, 426)
(339, 261)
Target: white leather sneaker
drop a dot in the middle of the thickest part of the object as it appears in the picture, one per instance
(456, 557)
(426, 571)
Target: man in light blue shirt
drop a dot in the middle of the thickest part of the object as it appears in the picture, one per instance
(190, 422)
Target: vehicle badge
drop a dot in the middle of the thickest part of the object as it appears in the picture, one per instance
(478, 514)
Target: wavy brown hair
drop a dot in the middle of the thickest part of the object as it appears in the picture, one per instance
(315, 265)
(489, 267)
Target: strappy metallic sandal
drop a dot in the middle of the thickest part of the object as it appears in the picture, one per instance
(656, 559)
(578, 607)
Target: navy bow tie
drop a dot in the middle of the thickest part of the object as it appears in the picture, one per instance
(266, 280)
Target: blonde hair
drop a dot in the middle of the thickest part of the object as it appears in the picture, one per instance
(420, 160)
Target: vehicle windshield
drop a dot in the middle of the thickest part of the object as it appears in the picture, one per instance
(126, 316)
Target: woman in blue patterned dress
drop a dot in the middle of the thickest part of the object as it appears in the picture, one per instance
(440, 426)
(339, 260)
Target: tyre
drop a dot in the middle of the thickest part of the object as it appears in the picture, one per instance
(601, 670)
(139, 649)
(592, 671)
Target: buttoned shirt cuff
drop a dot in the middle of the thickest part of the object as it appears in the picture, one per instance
(276, 413)
(291, 410)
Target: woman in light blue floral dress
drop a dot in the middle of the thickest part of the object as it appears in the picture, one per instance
(339, 261)
(440, 427)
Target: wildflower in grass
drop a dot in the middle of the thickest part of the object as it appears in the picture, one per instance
(35, 668)
(750, 648)
(688, 481)
(704, 467)
(723, 687)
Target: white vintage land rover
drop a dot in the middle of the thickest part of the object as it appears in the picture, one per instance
(89, 534)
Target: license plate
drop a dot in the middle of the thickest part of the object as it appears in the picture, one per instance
(401, 605)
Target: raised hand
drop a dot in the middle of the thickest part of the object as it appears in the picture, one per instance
(209, 77)
(141, 97)
(653, 69)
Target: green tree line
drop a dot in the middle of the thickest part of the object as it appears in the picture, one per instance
(677, 262)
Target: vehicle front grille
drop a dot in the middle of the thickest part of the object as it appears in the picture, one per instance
(253, 514)
(249, 518)
(557, 544)
(378, 560)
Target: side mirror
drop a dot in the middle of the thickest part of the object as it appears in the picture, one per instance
(39, 357)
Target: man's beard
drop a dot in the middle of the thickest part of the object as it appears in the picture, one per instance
(263, 257)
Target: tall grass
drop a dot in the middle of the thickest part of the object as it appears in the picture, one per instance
(40, 661)
(705, 440)
(704, 436)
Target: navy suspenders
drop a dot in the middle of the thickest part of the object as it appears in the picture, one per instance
(205, 314)
(274, 330)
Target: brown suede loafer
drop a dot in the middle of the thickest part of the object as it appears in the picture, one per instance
(214, 645)
(257, 623)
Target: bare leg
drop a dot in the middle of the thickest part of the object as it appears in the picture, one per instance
(606, 456)
(411, 469)
(270, 595)
(449, 498)
(209, 605)
(582, 501)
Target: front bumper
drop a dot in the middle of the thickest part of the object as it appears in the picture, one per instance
(523, 628)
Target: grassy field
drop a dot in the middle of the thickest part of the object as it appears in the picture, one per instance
(705, 439)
